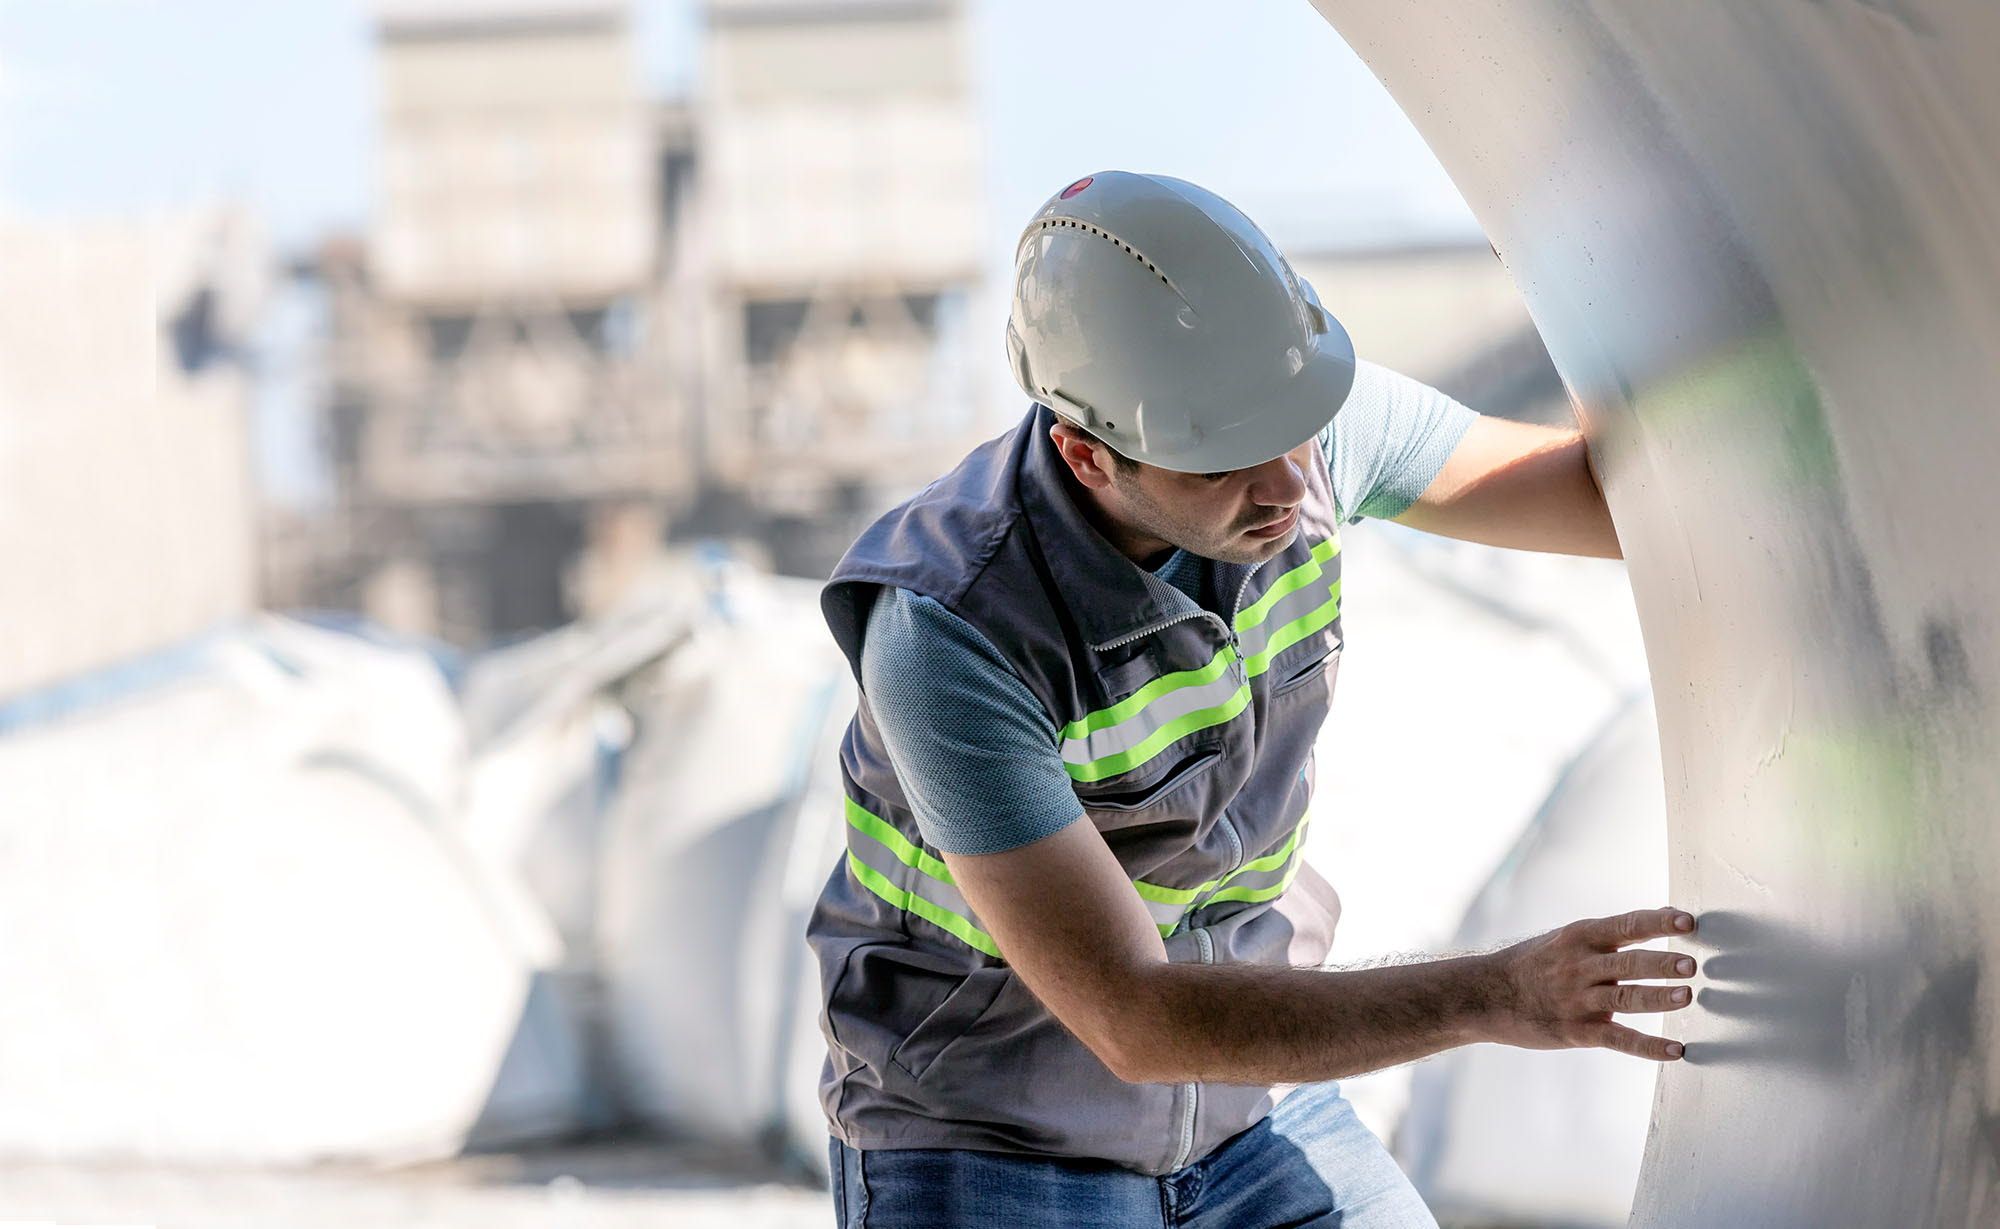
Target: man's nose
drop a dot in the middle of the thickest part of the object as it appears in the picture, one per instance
(1278, 483)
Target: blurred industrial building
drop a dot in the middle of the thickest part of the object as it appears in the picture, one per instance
(584, 322)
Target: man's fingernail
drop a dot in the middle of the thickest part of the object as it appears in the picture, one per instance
(1684, 966)
(1684, 921)
(1681, 994)
(1673, 1049)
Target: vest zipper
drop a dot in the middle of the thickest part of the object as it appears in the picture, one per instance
(1237, 669)
(1228, 625)
(1241, 670)
(1206, 947)
(1236, 607)
(1154, 627)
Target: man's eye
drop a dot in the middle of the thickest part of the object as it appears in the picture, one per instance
(1215, 477)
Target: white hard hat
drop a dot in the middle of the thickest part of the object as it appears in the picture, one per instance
(1158, 318)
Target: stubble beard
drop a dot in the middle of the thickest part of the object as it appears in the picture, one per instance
(1198, 539)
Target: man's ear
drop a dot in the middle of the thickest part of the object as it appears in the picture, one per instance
(1088, 459)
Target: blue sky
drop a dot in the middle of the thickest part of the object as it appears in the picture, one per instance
(112, 106)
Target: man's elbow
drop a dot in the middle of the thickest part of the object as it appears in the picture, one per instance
(1137, 1061)
(1131, 1061)
(1132, 1036)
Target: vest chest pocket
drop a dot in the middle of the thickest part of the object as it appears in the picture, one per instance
(1298, 675)
(1148, 736)
(1142, 797)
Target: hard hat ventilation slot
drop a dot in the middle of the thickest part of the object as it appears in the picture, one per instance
(1128, 249)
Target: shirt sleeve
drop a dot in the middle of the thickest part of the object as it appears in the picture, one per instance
(976, 753)
(1388, 441)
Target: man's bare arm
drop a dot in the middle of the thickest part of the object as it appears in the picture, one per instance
(1065, 916)
(1519, 485)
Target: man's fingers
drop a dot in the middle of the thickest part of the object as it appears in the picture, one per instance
(1611, 933)
(1637, 1044)
(1632, 999)
(1641, 965)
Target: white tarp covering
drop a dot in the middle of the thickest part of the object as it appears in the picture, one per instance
(725, 826)
(244, 930)
(290, 900)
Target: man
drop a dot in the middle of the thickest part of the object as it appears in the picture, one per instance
(1073, 957)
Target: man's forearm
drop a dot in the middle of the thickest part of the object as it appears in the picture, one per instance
(1065, 916)
(1252, 1024)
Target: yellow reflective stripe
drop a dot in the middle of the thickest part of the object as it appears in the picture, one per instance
(906, 852)
(1277, 857)
(1291, 633)
(1159, 740)
(967, 929)
(1298, 578)
(910, 899)
(1132, 714)
(1270, 861)
(1166, 683)
(1253, 895)
(1170, 896)
(910, 902)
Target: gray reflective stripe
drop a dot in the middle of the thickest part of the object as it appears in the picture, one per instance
(937, 891)
(1166, 915)
(1135, 729)
(1249, 881)
(1291, 610)
(1287, 582)
(1117, 739)
(1267, 877)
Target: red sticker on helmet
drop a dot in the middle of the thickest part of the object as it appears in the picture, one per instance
(1076, 187)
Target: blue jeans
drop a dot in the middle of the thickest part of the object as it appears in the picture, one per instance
(1310, 1163)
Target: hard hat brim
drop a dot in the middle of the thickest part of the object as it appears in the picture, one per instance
(1300, 409)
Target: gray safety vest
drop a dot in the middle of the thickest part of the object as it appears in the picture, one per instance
(1189, 739)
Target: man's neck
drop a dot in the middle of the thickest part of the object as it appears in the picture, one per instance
(1137, 545)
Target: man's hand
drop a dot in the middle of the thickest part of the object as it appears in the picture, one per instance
(1560, 989)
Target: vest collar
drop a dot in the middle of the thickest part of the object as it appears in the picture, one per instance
(1108, 596)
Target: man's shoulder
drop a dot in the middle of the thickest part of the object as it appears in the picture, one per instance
(906, 620)
(935, 542)
(940, 543)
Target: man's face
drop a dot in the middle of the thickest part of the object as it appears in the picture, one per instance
(1242, 516)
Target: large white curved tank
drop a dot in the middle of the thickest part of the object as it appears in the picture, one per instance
(1498, 1135)
(1759, 240)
